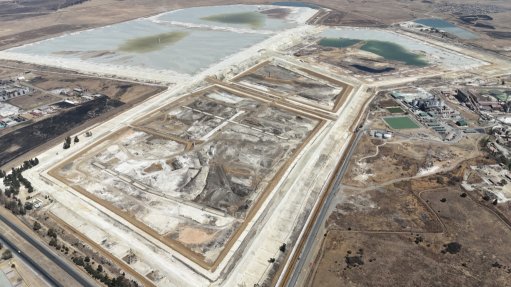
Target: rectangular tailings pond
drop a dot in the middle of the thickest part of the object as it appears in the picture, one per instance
(171, 45)
(145, 44)
(447, 27)
(396, 47)
(252, 17)
(387, 50)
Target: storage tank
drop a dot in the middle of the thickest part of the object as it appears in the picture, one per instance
(387, 135)
(378, 135)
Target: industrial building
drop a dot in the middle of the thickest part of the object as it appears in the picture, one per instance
(379, 134)
(8, 91)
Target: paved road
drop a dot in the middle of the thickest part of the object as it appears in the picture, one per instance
(78, 277)
(29, 262)
(322, 214)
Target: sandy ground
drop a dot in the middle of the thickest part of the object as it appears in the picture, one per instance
(377, 162)
(194, 236)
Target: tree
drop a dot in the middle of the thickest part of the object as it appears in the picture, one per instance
(52, 233)
(53, 241)
(29, 205)
(76, 139)
(99, 268)
(7, 255)
(78, 261)
(67, 142)
(36, 226)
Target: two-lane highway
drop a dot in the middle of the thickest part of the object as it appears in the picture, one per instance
(304, 254)
(41, 272)
(80, 279)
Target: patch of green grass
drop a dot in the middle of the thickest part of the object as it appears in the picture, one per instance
(401, 123)
(151, 43)
(395, 110)
(254, 19)
(338, 42)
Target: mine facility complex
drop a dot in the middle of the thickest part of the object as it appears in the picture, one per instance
(198, 173)
(257, 145)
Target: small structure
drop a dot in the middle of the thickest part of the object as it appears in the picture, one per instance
(37, 203)
(8, 92)
(397, 95)
(461, 123)
(381, 134)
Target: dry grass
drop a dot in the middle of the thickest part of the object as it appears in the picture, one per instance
(395, 257)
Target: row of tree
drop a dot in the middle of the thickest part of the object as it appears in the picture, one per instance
(7, 254)
(85, 262)
(67, 142)
(99, 274)
(12, 204)
(15, 179)
(13, 182)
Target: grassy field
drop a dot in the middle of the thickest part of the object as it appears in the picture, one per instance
(395, 110)
(401, 123)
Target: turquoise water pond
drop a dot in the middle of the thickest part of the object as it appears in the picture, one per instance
(447, 27)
